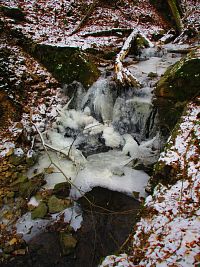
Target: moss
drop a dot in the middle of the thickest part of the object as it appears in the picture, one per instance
(152, 75)
(62, 189)
(39, 212)
(29, 188)
(138, 44)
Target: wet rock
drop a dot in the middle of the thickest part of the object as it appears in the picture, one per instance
(56, 205)
(40, 211)
(67, 243)
(104, 228)
(139, 164)
(62, 189)
(152, 75)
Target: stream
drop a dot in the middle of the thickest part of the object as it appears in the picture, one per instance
(112, 139)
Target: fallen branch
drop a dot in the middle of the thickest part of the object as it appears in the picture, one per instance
(123, 75)
(181, 51)
(109, 32)
(86, 17)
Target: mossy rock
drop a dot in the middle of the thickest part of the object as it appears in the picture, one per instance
(137, 45)
(29, 188)
(67, 64)
(56, 205)
(16, 159)
(179, 84)
(21, 178)
(163, 174)
(181, 81)
(152, 75)
(39, 212)
(32, 159)
(62, 189)
(67, 243)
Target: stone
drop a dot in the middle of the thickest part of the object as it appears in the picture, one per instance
(62, 189)
(152, 75)
(67, 243)
(117, 171)
(10, 194)
(181, 81)
(56, 205)
(21, 178)
(16, 159)
(29, 188)
(10, 152)
(39, 212)
(31, 158)
(173, 163)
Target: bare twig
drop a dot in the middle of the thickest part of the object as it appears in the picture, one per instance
(109, 32)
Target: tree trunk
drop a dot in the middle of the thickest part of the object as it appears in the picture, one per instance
(176, 14)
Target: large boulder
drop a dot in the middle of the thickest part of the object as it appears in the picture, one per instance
(179, 84)
(67, 64)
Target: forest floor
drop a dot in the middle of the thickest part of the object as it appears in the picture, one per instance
(30, 94)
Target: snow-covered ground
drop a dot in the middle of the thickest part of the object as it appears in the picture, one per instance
(53, 21)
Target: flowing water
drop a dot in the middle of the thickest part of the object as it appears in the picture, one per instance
(111, 138)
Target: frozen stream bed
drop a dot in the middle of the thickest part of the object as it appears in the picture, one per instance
(103, 140)
(103, 132)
